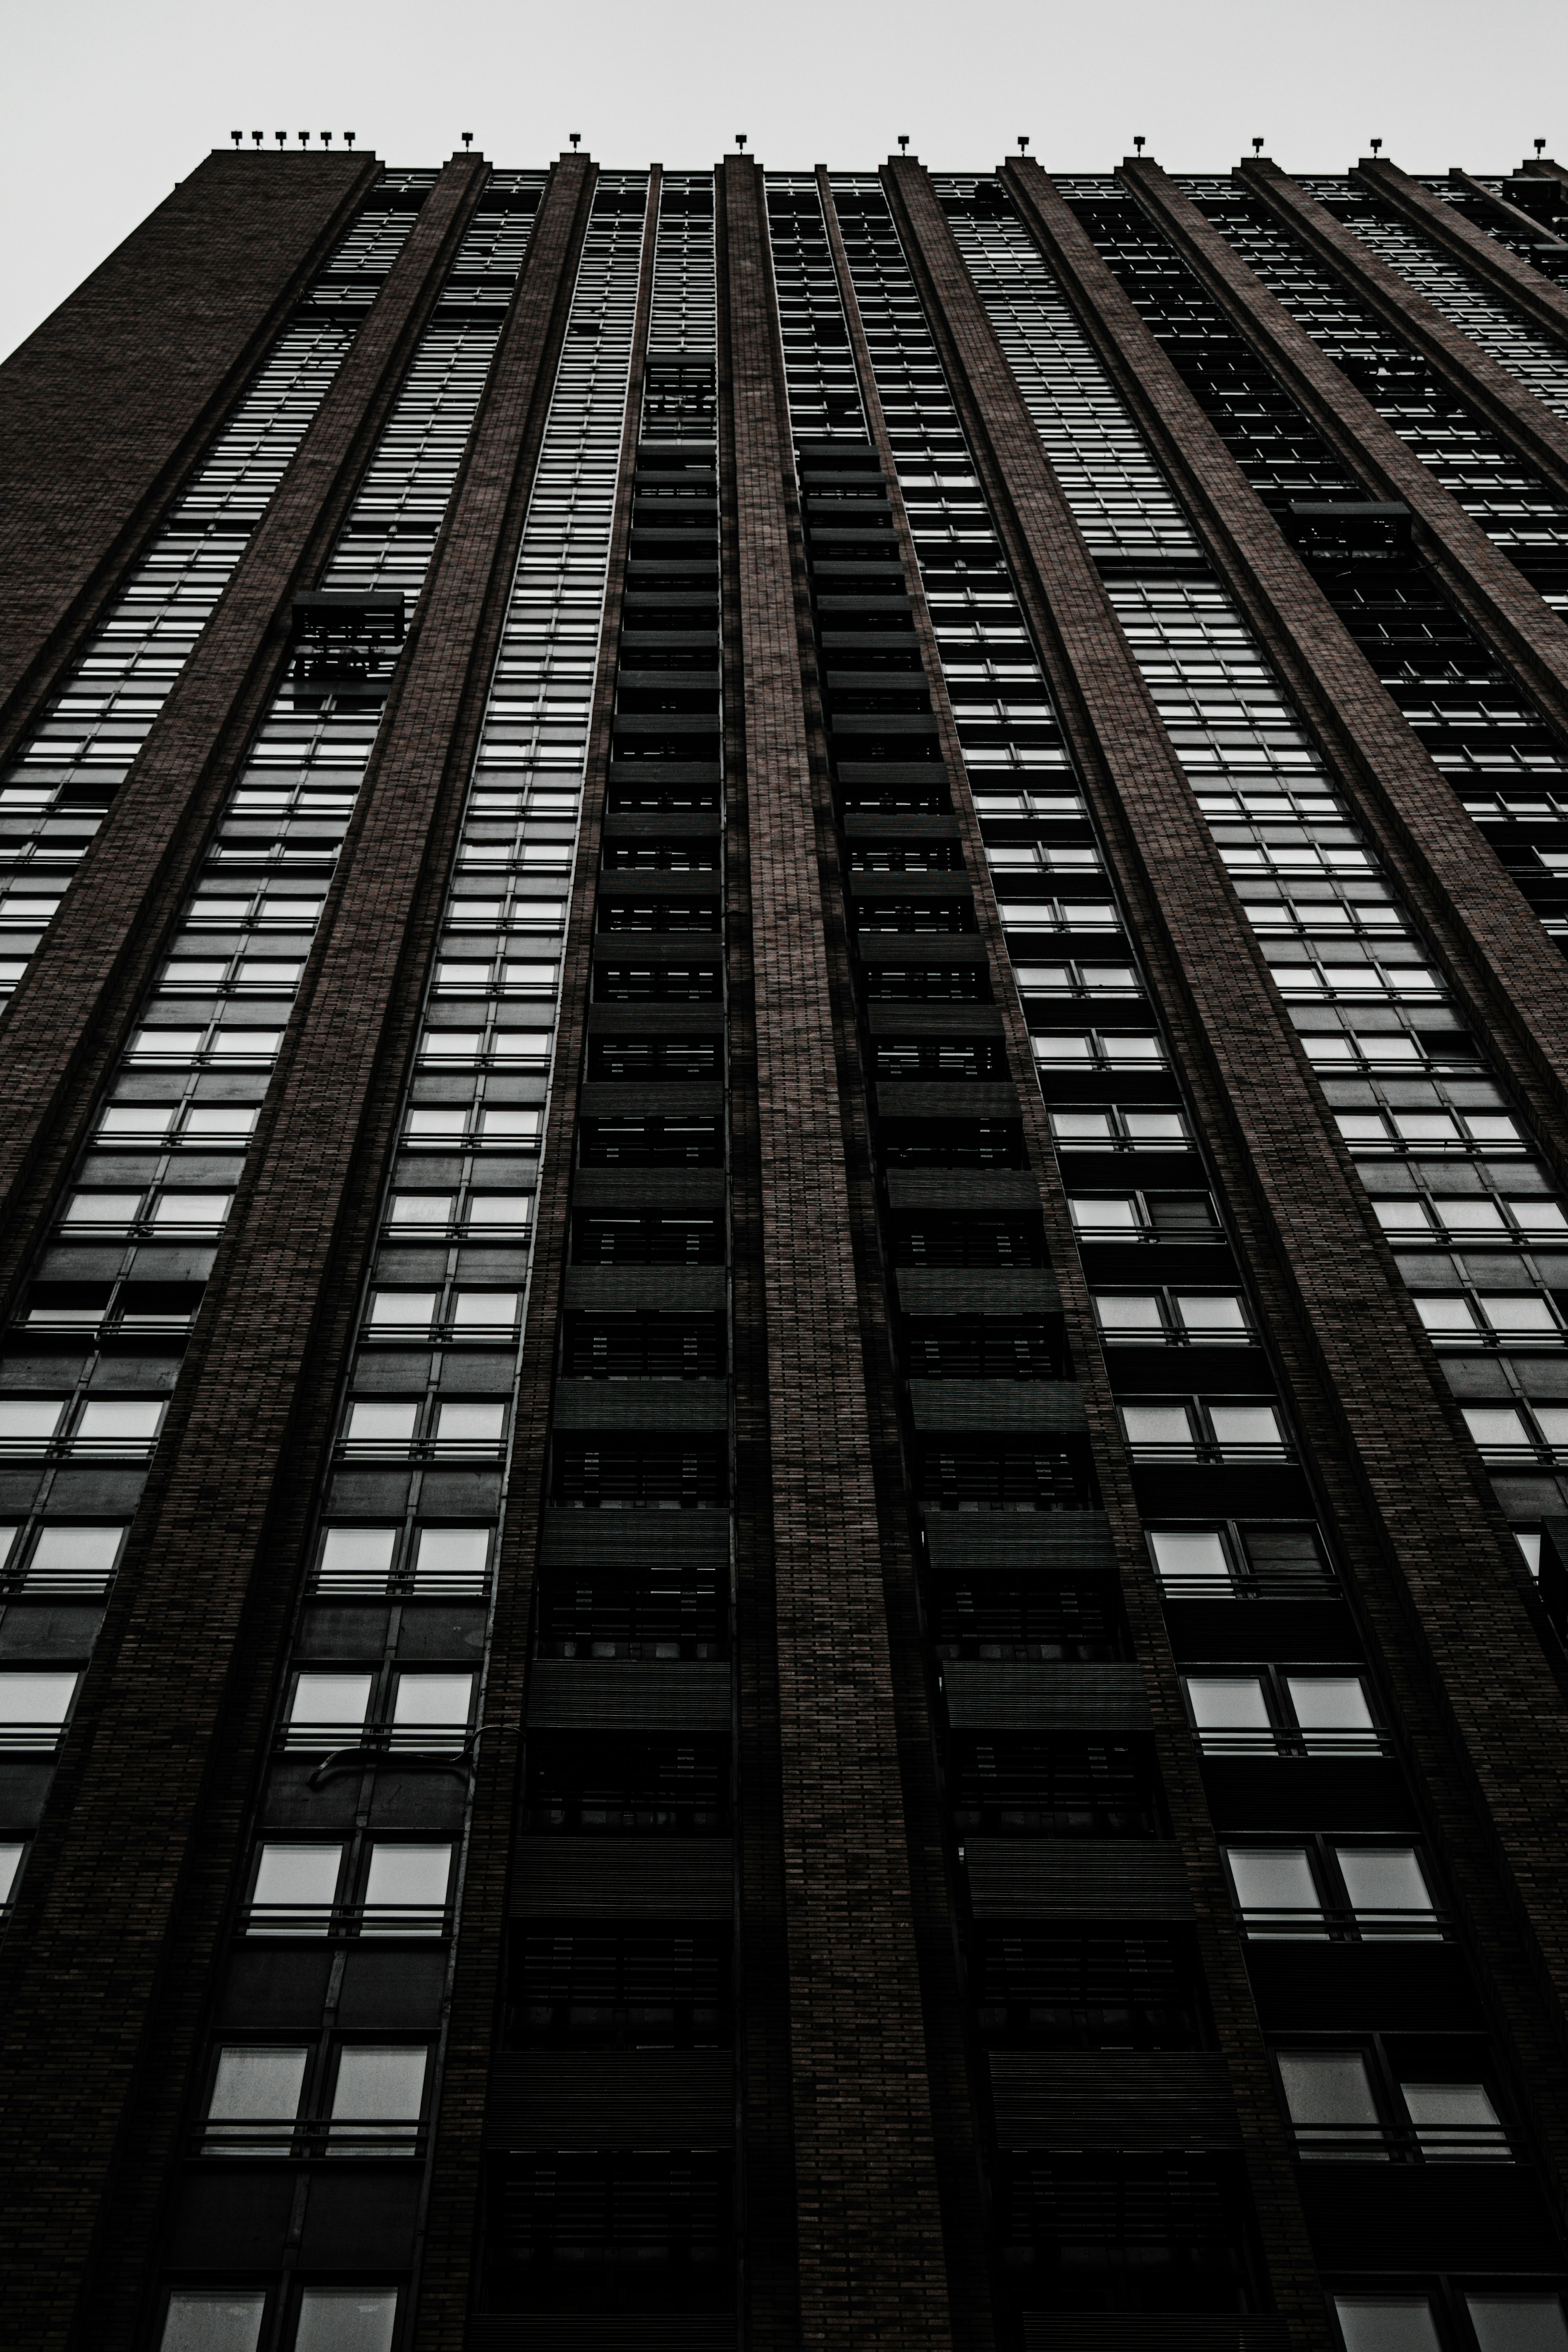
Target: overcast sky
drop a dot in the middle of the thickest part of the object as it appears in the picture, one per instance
(111, 101)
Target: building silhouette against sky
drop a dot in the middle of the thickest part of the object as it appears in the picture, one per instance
(784, 1409)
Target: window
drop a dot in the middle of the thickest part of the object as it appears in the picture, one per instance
(1275, 1711)
(1388, 2323)
(33, 1708)
(255, 2100)
(377, 2101)
(1518, 2323)
(192, 1208)
(1203, 1428)
(423, 1208)
(330, 1704)
(404, 1309)
(470, 1424)
(486, 1309)
(1329, 2098)
(342, 2319)
(451, 1559)
(354, 1556)
(29, 1417)
(1368, 1890)
(378, 1423)
(10, 1870)
(406, 1888)
(295, 1888)
(431, 1701)
(212, 2319)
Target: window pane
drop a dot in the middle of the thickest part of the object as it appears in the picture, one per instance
(1122, 1214)
(103, 1208)
(335, 2319)
(1130, 1314)
(86, 1551)
(433, 1698)
(477, 1424)
(422, 1208)
(452, 1552)
(122, 1417)
(1157, 1424)
(1273, 1878)
(386, 1422)
(1389, 1880)
(331, 1698)
(221, 1120)
(1400, 1216)
(1198, 1553)
(192, 1208)
(10, 1865)
(1327, 2086)
(209, 2320)
(1471, 1216)
(36, 1698)
(1425, 1126)
(1494, 1425)
(1230, 1701)
(499, 1208)
(1244, 1425)
(403, 1306)
(471, 1307)
(379, 2085)
(437, 1122)
(1385, 2322)
(258, 2085)
(1083, 1126)
(30, 1417)
(1156, 1126)
(1328, 1702)
(1518, 2323)
(358, 1551)
(305, 1876)
(497, 1123)
(1445, 1314)
(409, 1873)
(1219, 1314)
(1513, 1313)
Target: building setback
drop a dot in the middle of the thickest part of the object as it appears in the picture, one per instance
(783, 1405)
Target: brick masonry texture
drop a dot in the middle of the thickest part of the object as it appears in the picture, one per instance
(1524, 422)
(107, 405)
(1439, 1580)
(162, 1761)
(1502, 270)
(1506, 971)
(71, 1014)
(871, 2266)
(1500, 606)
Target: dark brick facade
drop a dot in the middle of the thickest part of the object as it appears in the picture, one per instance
(166, 1742)
(105, 408)
(876, 2111)
(70, 1016)
(1502, 270)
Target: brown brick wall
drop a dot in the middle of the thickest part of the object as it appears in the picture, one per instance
(1503, 608)
(107, 405)
(1433, 1569)
(72, 1013)
(154, 1784)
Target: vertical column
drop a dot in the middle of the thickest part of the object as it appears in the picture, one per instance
(870, 2227)
(1481, 579)
(104, 408)
(156, 1780)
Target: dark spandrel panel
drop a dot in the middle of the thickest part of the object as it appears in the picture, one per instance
(1089, 1988)
(633, 1988)
(622, 1784)
(1054, 1785)
(1144, 2234)
(615, 2230)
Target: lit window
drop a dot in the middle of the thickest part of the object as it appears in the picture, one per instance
(1450, 1314)
(1276, 1890)
(1330, 2098)
(341, 2319)
(192, 1208)
(1492, 1426)
(330, 1699)
(423, 1208)
(1210, 1315)
(470, 1424)
(1245, 1424)
(1386, 1884)
(390, 1424)
(1516, 1311)
(356, 1554)
(1518, 2323)
(406, 1878)
(215, 2319)
(403, 1309)
(1393, 2323)
(1157, 1424)
(103, 1208)
(1140, 1314)
(1189, 1557)
(437, 1700)
(297, 1884)
(34, 1417)
(494, 1309)
(254, 2086)
(499, 1208)
(128, 1417)
(376, 2097)
(451, 1556)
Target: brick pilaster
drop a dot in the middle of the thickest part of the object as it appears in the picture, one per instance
(871, 2254)
(1501, 270)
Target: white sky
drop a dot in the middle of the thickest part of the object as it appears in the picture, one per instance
(108, 102)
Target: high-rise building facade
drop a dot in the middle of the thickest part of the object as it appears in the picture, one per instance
(784, 1398)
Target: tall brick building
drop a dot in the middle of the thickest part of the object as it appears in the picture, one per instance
(784, 1412)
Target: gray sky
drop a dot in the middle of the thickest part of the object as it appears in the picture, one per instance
(111, 102)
